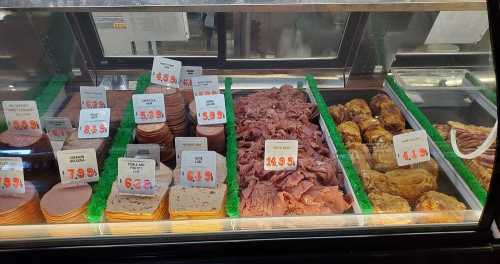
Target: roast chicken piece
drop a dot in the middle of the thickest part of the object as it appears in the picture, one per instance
(384, 158)
(365, 122)
(377, 101)
(377, 134)
(391, 118)
(360, 156)
(435, 201)
(357, 107)
(339, 113)
(388, 203)
(407, 183)
(350, 132)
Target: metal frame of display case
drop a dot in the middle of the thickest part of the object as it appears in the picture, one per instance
(346, 243)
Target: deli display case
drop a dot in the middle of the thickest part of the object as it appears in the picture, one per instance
(145, 131)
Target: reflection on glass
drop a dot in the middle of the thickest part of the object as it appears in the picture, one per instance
(163, 33)
(275, 35)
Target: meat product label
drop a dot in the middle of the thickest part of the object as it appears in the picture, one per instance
(189, 143)
(136, 176)
(144, 151)
(22, 116)
(210, 109)
(205, 85)
(280, 155)
(77, 166)
(188, 72)
(11, 176)
(411, 148)
(93, 97)
(198, 169)
(57, 128)
(166, 72)
(94, 123)
(149, 108)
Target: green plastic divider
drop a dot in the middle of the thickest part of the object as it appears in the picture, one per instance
(487, 92)
(342, 153)
(109, 171)
(443, 146)
(44, 95)
(232, 197)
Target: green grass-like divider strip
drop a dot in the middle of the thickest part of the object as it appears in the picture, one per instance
(44, 95)
(109, 171)
(490, 94)
(232, 197)
(342, 153)
(443, 146)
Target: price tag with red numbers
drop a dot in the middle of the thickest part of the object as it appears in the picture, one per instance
(94, 123)
(411, 148)
(22, 116)
(205, 85)
(77, 166)
(210, 109)
(166, 72)
(11, 176)
(57, 128)
(149, 108)
(198, 169)
(93, 97)
(188, 72)
(136, 176)
(280, 155)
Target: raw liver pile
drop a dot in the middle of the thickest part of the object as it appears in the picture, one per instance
(315, 188)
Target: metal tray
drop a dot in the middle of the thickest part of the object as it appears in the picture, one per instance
(449, 182)
(300, 81)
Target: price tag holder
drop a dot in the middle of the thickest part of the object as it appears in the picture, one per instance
(189, 143)
(198, 169)
(144, 151)
(188, 72)
(77, 166)
(11, 176)
(205, 85)
(93, 97)
(57, 128)
(411, 148)
(136, 176)
(210, 109)
(94, 123)
(280, 155)
(166, 72)
(22, 116)
(149, 108)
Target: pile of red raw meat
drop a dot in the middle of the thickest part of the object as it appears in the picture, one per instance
(315, 187)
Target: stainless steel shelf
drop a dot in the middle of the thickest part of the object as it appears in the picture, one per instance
(246, 5)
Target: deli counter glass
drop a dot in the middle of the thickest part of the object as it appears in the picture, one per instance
(144, 123)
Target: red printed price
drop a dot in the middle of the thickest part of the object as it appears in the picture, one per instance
(25, 124)
(95, 104)
(94, 129)
(187, 82)
(212, 115)
(200, 93)
(196, 176)
(13, 182)
(137, 184)
(280, 155)
(280, 161)
(411, 148)
(165, 78)
(11, 175)
(150, 115)
(414, 154)
(136, 176)
(80, 173)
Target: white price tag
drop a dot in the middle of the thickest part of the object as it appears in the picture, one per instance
(411, 148)
(166, 72)
(57, 128)
(210, 109)
(11, 176)
(93, 97)
(94, 123)
(149, 108)
(144, 151)
(188, 72)
(22, 116)
(280, 155)
(189, 143)
(205, 85)
(198, 169)
(77, 166)
(136, 176)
